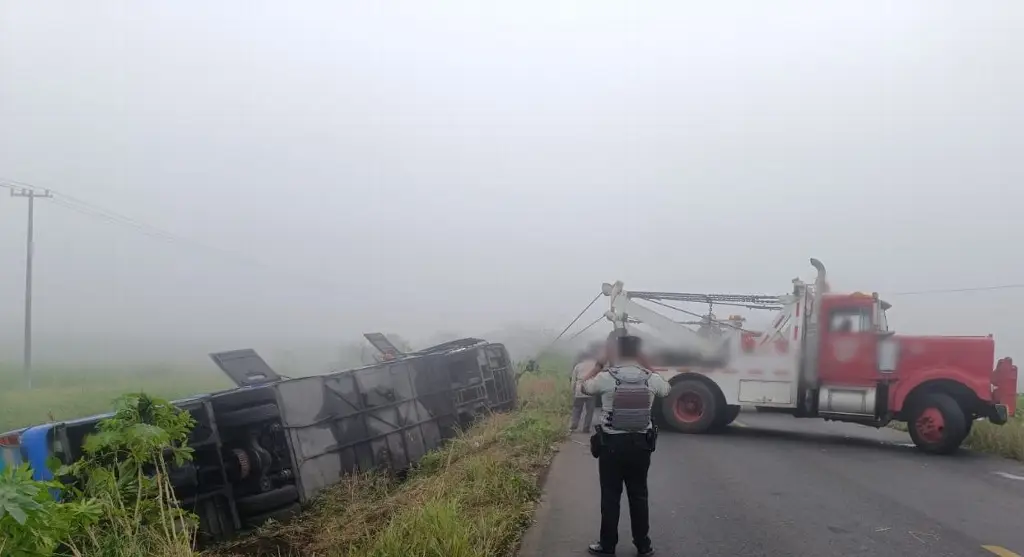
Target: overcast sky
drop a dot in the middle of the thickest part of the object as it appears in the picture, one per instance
(416, 166)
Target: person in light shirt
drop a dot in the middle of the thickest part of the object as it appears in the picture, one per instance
(582, 404)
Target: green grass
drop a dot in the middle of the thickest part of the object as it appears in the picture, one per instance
(60, 394)
(473, 498)
(1005, 440)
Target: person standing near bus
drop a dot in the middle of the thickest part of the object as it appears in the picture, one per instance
(583, 404)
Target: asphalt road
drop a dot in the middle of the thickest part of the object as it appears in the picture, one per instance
(774, 485)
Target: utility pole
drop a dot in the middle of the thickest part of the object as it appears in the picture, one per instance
(31, 194)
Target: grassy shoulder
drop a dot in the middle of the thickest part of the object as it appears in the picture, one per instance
(472, 498)
(1005, 440)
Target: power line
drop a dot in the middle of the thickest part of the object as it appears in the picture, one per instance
(60, 202)
(96, 211)
(956, 290)
(111, 217)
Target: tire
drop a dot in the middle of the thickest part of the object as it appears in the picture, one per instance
(248, 416)
(268, 501)
(937, 424)
(690, 407)
(729, 415)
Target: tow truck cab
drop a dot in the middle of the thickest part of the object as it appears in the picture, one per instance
(938, 384)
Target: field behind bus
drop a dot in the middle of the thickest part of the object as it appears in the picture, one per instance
(61, 393)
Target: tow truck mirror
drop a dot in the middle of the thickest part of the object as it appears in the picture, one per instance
(888, 354)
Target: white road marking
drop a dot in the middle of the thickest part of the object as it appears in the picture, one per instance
(740, 424)
(1009, 476)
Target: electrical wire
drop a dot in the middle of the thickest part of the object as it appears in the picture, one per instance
(111, 217)
(95, 211)
(957, 290)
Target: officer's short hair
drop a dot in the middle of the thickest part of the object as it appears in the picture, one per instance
(629, 346)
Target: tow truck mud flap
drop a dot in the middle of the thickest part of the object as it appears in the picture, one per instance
(999, 414)
(354, 421)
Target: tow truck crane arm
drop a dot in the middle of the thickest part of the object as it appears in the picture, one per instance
(625, 310)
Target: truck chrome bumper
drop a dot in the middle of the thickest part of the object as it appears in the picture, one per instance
(998, 414)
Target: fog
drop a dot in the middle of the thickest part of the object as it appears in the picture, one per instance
(330, 168)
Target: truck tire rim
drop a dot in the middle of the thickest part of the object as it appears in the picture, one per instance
(689, 407)
(930, 425)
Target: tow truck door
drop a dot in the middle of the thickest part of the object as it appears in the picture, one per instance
(849, 344)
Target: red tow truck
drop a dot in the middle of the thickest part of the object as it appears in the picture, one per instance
(826, 355)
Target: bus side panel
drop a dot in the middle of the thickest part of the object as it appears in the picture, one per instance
(35, 445)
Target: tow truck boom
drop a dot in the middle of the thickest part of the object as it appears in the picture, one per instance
(625, 310)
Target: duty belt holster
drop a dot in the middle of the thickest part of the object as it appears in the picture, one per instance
(597, 442)
(652, 437)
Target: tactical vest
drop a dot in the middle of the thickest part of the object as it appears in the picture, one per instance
(631, 403)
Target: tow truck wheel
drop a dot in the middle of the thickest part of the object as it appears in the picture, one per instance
(969, 418)
(690, 407)
(937, 424)
(729, 415)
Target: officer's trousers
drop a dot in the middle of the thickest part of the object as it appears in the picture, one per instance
(625, 459)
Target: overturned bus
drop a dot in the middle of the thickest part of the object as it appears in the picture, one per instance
(264, 449)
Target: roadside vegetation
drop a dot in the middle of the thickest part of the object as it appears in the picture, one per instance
(121, 504)
(472, 497)
(1005, 440)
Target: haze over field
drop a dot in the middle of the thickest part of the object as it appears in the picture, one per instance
(472, 168)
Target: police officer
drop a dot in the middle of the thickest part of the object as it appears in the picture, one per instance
(625, 438)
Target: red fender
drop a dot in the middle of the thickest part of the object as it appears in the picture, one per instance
(902, 388)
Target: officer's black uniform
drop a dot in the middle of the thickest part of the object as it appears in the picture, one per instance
(624, 459)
